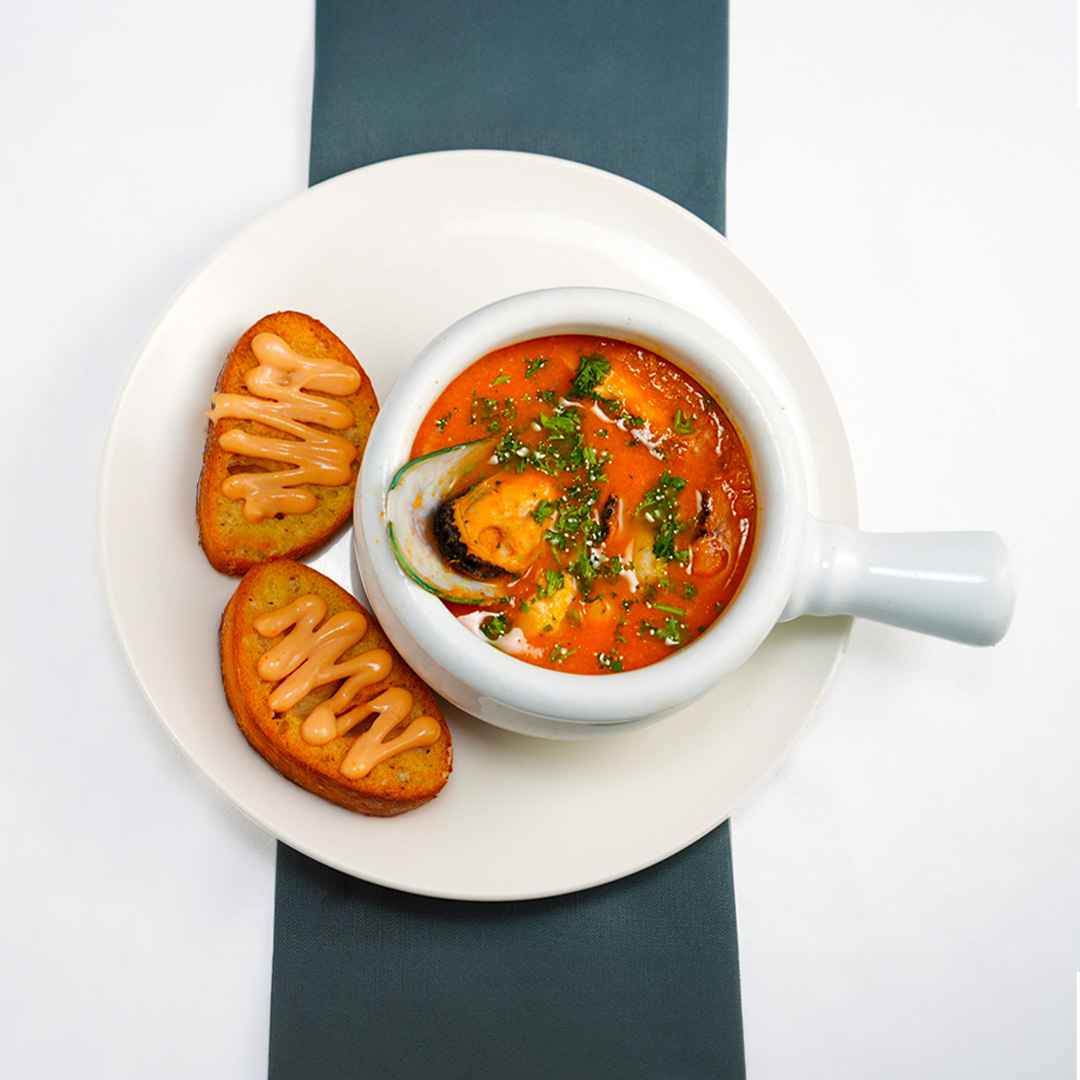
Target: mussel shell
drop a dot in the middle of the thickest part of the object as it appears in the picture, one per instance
(413, 500)
(453, 547)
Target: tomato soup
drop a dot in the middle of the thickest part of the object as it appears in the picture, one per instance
(619, 507)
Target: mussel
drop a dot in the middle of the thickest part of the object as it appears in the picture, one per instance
(489, 530)
(460, 529)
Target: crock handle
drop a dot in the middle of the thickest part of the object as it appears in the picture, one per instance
(955, 585)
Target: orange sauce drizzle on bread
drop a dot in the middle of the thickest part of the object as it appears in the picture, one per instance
(288, 425)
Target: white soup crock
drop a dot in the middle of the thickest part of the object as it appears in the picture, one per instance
(952, 585)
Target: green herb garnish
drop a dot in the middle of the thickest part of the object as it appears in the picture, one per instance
(682, 426)
(671, 610)
(563, 420)
(542, 511)
(575, 522)
(485, 412)
(673, 632)
(660, 507)
(553, 582)
(494, 627)
(512, 453)
(591, 372)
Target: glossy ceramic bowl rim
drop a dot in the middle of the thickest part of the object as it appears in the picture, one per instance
(436, 644)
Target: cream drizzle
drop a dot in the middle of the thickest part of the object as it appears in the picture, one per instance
(310, 656)
(277, 398)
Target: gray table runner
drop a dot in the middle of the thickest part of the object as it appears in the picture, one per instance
(638, 979)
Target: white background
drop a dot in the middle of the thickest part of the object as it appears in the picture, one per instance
(907, 180)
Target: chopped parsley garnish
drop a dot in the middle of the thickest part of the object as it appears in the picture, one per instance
(512, 453)
(682, 426)
(575, 522)
(553, 582)
(591, 564)
(442, 421)
(494, 627)
(670, 609)
(563, 420)
(609, 661)
(560, 653)
(673, 632)
(542, 511)
(594, 465)
(666, 549)
(584, 569)
(563, 450)
(533, 366)
(500, 379)
(660, 507)
(591, 372)
(485, 412)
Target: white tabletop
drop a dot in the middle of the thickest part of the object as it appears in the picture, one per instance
(906, 180)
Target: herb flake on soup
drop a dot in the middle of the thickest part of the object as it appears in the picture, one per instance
(617, 512)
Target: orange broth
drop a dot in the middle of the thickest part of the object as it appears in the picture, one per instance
(651, 521)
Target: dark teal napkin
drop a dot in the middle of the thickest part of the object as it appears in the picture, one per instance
(637, 87)
(638, 979)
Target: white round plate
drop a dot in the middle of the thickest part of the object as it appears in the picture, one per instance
(388, 256)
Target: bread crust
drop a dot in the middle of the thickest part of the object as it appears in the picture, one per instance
(401, 783)
(232, 543)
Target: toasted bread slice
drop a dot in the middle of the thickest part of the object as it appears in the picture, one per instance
(277, 590)
(278, 433)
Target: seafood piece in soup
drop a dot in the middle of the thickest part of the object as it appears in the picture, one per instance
(490, 530)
